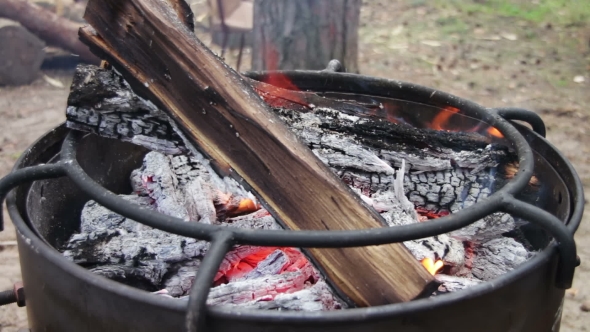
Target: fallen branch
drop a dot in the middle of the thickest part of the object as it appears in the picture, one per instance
(54, 30)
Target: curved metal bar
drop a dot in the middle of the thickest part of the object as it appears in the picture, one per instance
(530, 117)
(197, 302)
(563, 236)
(306, 239)
(24, 175)
(317, 239)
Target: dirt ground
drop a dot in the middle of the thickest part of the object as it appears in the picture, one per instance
(538, 60)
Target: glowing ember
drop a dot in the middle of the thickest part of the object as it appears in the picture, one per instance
(246, 205)
(240, 261)
(427, 214)
(432, 267)
(228, 205)
(495, 132)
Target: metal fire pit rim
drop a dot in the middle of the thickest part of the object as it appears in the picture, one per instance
(351, 314)
(382, 87)
(356, 313)
(27, 237)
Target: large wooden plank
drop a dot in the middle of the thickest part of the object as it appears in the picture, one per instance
(224, 117)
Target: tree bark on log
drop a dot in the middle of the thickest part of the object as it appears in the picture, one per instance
(51, 28)
(305, 34)
(223, 116)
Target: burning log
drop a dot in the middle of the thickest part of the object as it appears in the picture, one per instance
(237, 131)
(257, 277)
(442, 177)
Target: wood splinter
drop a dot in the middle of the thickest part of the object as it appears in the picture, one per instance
(222, 115)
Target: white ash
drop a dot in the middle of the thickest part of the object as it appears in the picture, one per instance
(497, 257)
(271, 265)
(181, 186)
(453, 283)
(262, 288)
(122, 249)
(257, 220)
(316, 297)
(489, 227)
(182, 276)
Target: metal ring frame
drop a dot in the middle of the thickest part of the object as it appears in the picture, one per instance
(222, 238)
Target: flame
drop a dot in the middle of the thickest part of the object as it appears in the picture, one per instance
(432, 267)
(245, 206)
(441, 120)
(495, 132)
(276, 79)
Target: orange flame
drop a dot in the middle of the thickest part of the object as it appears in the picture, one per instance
(441, 120)
(276, 79)
(432, 267)
(495, 132)
(245, 206)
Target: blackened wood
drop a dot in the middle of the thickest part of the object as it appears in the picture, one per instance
(51, 28)
(305, 34)
(226, 119)
(21, 55)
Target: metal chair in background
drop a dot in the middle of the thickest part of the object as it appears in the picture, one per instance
(231, 16)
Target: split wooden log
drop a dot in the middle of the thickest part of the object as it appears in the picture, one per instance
(222, 116)
(51, 28)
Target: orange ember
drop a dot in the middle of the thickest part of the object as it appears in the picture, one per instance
(228, 205)
(238, 266)
(495, 132)
(245, 206)
(432, 267)
(441, 120)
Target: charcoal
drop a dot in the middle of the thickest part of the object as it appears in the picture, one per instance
(257, 220)
(102, 102)
(433, 175)
(442, 246)
(317, 297)
(272, 264)
(453, 283)
(261, 289)
(122, 249)
(146, 275)
(497, 257)
(491, 226)
(180, 277)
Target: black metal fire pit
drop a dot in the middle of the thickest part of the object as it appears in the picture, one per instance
(64, 169)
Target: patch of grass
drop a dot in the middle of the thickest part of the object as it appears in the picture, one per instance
(451, 25)
(562, 12)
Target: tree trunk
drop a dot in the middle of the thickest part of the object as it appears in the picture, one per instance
(305, 34)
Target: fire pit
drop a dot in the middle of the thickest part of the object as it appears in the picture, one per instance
(62, 296)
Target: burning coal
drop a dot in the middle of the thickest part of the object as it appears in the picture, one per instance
(409, 170)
